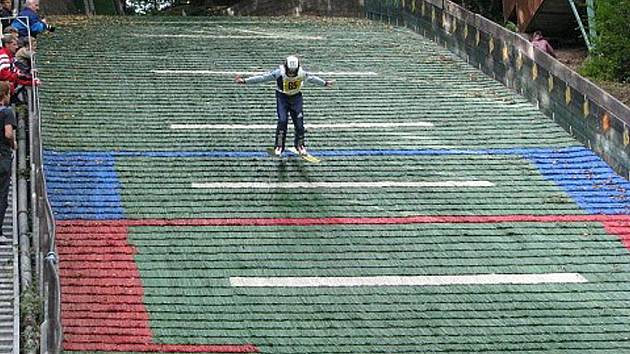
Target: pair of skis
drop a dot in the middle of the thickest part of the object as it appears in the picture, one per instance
(306, 157)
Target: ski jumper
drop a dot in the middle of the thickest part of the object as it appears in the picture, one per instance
(288, 100)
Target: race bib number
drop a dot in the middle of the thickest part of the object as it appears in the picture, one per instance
(292, 85)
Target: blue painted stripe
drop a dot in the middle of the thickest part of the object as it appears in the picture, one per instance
(587, 179)
(342, 153)
(83, 185)
(540, 152)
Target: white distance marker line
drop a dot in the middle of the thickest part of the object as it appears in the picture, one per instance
(302, 185)
(279, 35)
(227, 36)
(251, 73)
(307, 126)
(267, 34)
(428, 280)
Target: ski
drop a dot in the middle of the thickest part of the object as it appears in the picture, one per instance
(306, 157)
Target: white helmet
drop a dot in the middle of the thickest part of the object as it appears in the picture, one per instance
(292, 65)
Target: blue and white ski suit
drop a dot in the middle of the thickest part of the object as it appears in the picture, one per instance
(288, 100)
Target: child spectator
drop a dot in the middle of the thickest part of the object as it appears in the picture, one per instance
(23, 57)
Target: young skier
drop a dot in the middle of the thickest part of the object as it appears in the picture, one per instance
(290, 77)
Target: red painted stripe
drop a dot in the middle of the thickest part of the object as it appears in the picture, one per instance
(103, 290)
(111, 267)
(80, 315)
(102, 294)
(79, 249)
(129, 330)
(93, 243)
(98, 273)
(69, 307)
(622, 230)
(114, 259)
(163, 348)
(419, 219)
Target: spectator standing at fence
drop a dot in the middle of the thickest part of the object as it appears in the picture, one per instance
(6, 11)
(24, 55)
(23, 67)
(7, 145)
(36, 23)
(542, 44)
(8, 71)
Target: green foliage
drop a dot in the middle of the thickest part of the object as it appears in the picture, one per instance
(511, 26)
(30, 318)
(610, 60)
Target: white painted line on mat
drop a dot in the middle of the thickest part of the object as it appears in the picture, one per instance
(428, 280)
(308, 126)
(302, 185)
(280, 35)
(226, 36)
(250, 73)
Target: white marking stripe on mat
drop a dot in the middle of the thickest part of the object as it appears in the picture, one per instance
(226, 36)
(311, 126)
(381, 184)
(428, 280)
(250, 73)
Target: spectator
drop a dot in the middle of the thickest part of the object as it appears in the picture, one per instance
(8, 71)
(10, 30)
(542, 44)
(5, 11)
(23, 56)
(36, 23)
(289, 78)
(7, 145)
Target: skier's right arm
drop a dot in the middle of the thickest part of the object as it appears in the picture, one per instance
(256, 79)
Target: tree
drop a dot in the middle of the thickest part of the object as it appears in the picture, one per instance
(610, 60)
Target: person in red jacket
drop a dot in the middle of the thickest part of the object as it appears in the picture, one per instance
(8, 71)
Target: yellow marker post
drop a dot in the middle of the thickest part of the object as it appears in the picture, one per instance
(605, 122)
(586, 109)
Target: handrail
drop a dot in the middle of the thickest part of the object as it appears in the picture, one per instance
(51, 329)
(43, 223)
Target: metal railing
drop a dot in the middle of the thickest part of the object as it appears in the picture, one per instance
(42, 223)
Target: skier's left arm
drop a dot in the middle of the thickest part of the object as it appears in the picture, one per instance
(314, 79)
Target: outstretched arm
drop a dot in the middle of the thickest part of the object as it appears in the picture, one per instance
(318, 80)
(268, 76)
